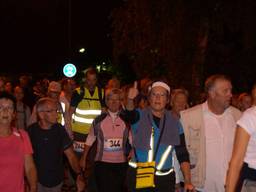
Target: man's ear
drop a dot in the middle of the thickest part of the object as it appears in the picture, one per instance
(39, 115)
(211, 93)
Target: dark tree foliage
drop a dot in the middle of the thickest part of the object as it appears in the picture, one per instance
(162, 38)
(186, 41)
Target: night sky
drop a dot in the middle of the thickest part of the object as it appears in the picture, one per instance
(36, 37)
(35, 34)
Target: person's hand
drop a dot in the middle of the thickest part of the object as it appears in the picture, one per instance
(178, 188)
(82, 162)
(70, 133)
(130, 155)
(188, 187)
(133, 91)
(80, 183)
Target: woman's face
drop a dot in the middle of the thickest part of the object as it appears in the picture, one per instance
(113, 102)
(179, 102)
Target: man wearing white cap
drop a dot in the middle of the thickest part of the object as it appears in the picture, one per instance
(156, 135)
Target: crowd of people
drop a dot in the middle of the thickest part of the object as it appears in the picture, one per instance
(140, 137)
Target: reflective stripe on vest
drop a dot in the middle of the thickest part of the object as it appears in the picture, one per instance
(88, 112)
(151, 151)
(63, 106)
(62, 117)
(82, 119)
(132, 164)
(85, 112)
(159, 173)
(150, 157)
(164, 157)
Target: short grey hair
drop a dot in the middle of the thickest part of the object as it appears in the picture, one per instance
(41, 103)
(210, 81)
(109, 92)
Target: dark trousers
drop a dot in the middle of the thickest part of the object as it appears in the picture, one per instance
(163, 183)
(110, 177)
(245, 174)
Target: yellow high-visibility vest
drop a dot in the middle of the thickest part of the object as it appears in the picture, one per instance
(88, 108)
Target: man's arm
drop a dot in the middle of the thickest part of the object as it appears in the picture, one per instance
(183, 158)
(73, 160)
(130, 113)
(84, 156)
(30, 172)
(185, 168)
(132, 94)
(71, 111)
(69, 114)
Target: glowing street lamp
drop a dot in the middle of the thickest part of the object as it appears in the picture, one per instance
(82, 50)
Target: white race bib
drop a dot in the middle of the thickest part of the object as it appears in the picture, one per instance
(78, 146)
(113, 144)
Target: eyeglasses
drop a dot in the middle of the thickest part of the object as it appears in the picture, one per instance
(8, 108)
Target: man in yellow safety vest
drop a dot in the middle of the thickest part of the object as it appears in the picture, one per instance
(86, 104)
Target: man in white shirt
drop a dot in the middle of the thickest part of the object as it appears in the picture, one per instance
(209, 130)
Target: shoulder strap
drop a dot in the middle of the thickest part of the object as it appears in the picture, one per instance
(82, 92)
(160, 136)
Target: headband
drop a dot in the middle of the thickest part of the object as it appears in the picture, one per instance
(160, 84)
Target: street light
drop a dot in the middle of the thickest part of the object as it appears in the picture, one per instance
(82, 50)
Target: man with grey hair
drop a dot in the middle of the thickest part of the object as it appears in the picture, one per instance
(50, 141)
(209, 130)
